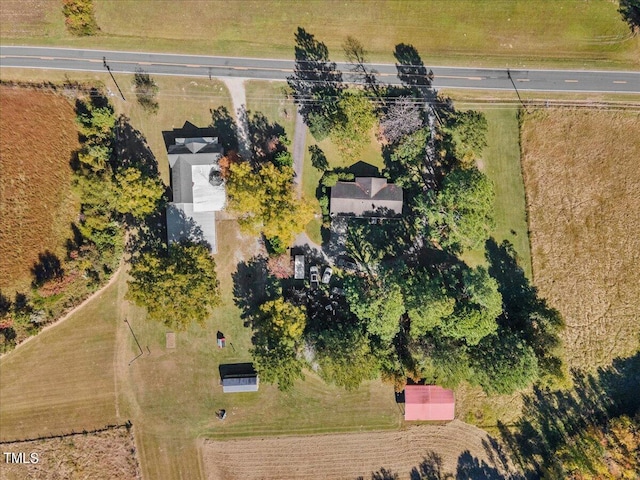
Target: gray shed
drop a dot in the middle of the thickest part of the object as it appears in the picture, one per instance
(240, 383)
(298, 270)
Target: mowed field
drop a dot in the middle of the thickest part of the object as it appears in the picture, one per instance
(497, 32)
(38, 136)
(62, 380)
(582, 180)
(456, 448)
(107, 455)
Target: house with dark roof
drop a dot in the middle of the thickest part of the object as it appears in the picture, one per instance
(198, 188)
(366, 197)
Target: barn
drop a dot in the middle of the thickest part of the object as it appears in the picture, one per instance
(428, 402)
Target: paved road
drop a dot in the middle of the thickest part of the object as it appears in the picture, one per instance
(274, 69)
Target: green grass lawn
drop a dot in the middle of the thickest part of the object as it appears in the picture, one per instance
(492, 32)
(501, 163)
(63, 379)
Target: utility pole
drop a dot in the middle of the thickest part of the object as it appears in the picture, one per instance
(517, 93)
(104, 63)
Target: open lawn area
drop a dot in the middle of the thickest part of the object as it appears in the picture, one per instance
(62, 380)
(37, 205)
(492, 32)
(582, 181)
(500, 161)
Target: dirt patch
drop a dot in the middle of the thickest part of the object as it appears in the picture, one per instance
(109, 455)
(582, 181)
(349, 456)
(37, 139)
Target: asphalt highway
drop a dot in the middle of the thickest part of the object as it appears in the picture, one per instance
(277, 69)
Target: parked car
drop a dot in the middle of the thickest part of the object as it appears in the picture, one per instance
(326, 276)
(313, 273)
(347, 264)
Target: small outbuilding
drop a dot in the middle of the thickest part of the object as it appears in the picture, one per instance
(428, 402)
(298, 267)
(240, 383)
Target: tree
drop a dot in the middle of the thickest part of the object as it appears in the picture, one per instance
(630, 11)
(318, 158)
(345, 358)
(477, 310)
(377, 303)
(407, 163)
(138, 195)
(353, 123)
(277, 340)
(403, 117)
(460, 215)
(357, 57)
(427, 301)
(79, 17)
(503, 363)
(265, 200)
(316, 83)
(178, 286)
(468, 130)
(146, 90)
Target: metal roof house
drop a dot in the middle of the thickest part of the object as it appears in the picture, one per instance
(366, 197)
(198, 189)
(428, 402)
(240, 383)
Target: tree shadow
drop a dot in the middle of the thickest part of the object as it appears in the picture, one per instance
(48, 267)
(630, 11)
(550, 418)
(253, 285)
(472, 468)
(430, 469)
(525, 312)
(132, 149)
(267, 139)
(225, 127)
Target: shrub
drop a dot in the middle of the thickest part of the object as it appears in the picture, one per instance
(80, 19)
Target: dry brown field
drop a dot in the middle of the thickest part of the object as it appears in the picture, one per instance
(582, 177)
(457, 447)
(37, 138)
(108, 455)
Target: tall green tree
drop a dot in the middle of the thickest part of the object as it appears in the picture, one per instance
(407, 162)
(378, 303)
(353, 122)
(630, 11)
(138, 195)
(503, 363)
(460, 215)
(427, 301)
(277, 342)
(178, 286)
(468, 131)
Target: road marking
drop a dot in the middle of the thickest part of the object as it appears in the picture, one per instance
(619, 81)
(453, 76)
(193, 66)
(523, 80)
(240, 68)
(46, 58)
(571, 81)
(144, 63)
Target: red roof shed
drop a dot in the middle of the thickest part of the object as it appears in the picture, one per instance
(428, 402)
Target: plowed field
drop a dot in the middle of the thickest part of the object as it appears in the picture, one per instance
(582, 177)
(460, 448)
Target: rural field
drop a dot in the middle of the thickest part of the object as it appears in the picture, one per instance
(106, 455)
(37, 140)
(582, 181)
(455, 448)
(493, 32)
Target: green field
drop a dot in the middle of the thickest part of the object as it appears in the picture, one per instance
(501, 163)
(491, 32)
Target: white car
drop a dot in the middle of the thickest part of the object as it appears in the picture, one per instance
(326, 276)
(313, 273)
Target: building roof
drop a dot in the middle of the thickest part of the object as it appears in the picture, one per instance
(198, 188)
(240, 383)
(298, 271)
(428, 402)
(184, 223)
(366, 197)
